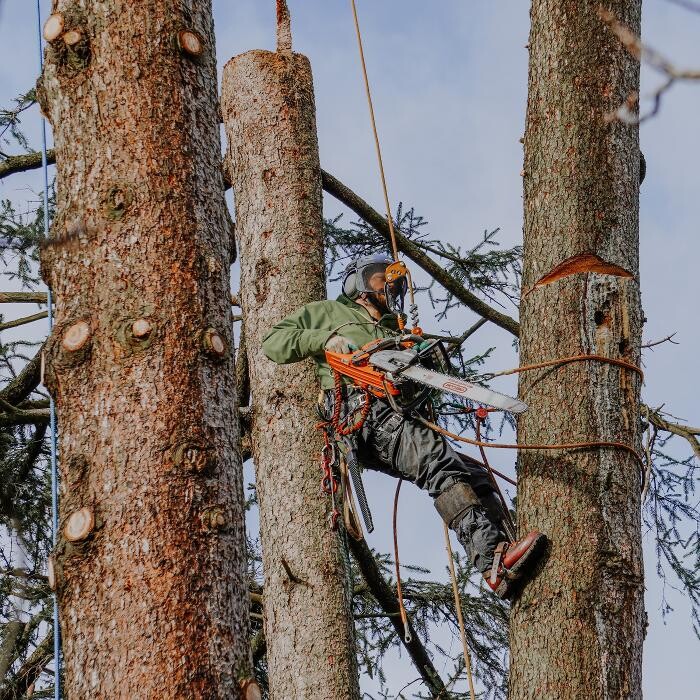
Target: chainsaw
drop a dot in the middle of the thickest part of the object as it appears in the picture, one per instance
(390, 368)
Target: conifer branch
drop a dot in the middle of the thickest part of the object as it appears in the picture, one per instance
(22, 163)
(345, 195)
(386, 599)
(23, 321)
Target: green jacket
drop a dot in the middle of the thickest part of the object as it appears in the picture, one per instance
(305, 333)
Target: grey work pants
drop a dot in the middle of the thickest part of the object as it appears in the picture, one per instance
(403, 447)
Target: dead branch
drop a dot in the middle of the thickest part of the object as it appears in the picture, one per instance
(23, 321)
(643, 53)
(23, 297)
(667, 339)
(24, 383)
(30, 671)
(28, 161)
(456, 341)
(687, 432)
(384, 595)
(345, 195)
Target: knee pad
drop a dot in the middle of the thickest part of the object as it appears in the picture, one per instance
(454, 501)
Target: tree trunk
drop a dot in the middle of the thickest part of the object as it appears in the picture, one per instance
(150, 562)
(269, 114)
(577, 630)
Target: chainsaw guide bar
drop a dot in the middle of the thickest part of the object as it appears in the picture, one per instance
(383, 371)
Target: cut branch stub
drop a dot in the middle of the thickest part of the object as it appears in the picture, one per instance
(213, 518)
(214, 344)
(80, 524)
(51, 572)
(250, 690)
(141, 328)
(76, 336)
(72, 37)
(190, 43)
(191, 455)
(53, 27)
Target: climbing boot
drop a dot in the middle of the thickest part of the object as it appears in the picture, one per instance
(463, 511)
(513, 562)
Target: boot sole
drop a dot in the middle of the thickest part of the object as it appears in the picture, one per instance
(509, 587)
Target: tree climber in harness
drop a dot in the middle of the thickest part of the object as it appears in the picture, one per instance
(394, 442)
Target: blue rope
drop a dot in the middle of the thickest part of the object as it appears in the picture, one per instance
(52, 407)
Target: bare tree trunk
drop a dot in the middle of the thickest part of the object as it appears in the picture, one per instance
(150, 565)
(577, 630)
(269, 114)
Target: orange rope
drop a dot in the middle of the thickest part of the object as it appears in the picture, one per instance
(399, 593)
(568, 360)
(562, 446)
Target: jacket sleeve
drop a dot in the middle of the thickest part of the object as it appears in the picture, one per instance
(298, 336)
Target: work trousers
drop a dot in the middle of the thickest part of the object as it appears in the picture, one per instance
(404, 447)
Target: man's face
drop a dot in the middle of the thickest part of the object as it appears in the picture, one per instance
(377, 282)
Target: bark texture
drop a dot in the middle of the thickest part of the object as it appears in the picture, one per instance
(269, 115)
(153, 600)
(577, 630)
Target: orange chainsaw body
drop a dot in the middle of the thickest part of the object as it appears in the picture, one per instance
(355, 365)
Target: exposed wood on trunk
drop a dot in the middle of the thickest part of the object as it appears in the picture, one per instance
(269, 114)
(577, 630)
(345, 195)
(386, 597)
(153, 598)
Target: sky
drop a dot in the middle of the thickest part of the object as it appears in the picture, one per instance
(449, 80)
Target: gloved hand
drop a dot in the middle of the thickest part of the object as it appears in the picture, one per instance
(339, 343)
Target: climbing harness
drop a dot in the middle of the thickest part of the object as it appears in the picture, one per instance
(53, 437)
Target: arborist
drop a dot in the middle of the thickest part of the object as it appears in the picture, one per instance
(396, 443)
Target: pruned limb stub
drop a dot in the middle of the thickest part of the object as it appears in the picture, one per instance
(80, 524)
(214, 344)
(250, 690)
(72, 37)
(53, 27)
(76, 336)
(51, 572)
(141, 328)
(190, 43)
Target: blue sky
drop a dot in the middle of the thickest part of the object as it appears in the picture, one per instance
(449, 78)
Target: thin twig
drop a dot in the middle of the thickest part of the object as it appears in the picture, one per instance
(626, 111)
(667, 339)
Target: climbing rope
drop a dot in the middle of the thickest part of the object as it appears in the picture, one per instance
(460, 618)
(399, 593)
(559, 446)
(398, 269)
(378, 148)
(53, 437)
